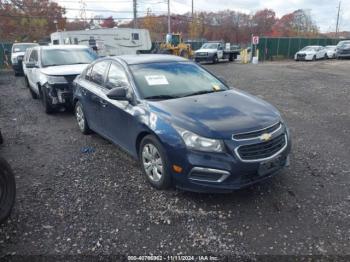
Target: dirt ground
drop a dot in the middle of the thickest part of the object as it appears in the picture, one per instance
(98, 203)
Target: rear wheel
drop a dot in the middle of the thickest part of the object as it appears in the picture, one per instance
(231, 58)
(154, 163)
(314, 58)
(7, 190)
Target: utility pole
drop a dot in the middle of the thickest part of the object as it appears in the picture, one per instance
(135, 13)
(337, 27)
(192, 10)
(169, 28)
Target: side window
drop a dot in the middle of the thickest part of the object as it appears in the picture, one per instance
(33, 56)
(116, 76)
(88, 73)
(135, 36)
(98, 72)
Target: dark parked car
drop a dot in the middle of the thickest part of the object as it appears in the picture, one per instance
(7, 188)
(185, 126)
(343, 50)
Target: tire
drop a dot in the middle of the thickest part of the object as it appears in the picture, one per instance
(81, 119)
(32, 93)
(215, 59)
(231, 58)
(49, 109)
(314, 58)
(1, 139)
(7, 190)
(158, 178)
(326, 56)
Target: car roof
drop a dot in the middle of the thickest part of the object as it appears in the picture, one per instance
(18, 43)
(54, 47)
(148, 58)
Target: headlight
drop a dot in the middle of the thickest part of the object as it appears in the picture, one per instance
(51, 80)
(196, 142)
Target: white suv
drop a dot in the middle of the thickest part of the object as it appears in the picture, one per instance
(17, 53)
(50, 70)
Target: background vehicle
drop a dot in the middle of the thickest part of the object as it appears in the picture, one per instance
(17, 53)
(107, 41)
(184, 125)
(50, 70)
(7, 188)
(174, 45)
(311, 53)
(331, 51)
(343, 49)
(214, 51)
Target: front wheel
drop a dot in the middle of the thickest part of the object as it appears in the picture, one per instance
(215, 59)
(81, 119)
(314, 58)
(154, 163)
(49, 109)
(7, 190)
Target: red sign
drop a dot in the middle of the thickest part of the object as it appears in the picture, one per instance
(255, 40)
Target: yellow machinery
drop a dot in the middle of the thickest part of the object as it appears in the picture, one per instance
(174, 45)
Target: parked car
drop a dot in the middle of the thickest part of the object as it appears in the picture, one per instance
(184, 125)
(7, 188)
(331, 51)
(214, 52)
(343, 49)
(17, 53)
(311, 53)
(50, 70)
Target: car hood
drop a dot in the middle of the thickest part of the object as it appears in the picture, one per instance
(205, 50)
(17, 54)
(64, 70)
(217, 115)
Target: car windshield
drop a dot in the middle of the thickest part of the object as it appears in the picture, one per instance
(309, 48)
(55, 57)
(174, 80)
(22, 47)
(210, 46)
(344, 44)
(330, 47)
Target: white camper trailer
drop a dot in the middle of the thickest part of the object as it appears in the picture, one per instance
(107, 41)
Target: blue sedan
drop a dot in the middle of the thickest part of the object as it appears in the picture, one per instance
(184, 125)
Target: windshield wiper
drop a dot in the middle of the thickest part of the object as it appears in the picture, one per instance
(202, 92)
(161, 97)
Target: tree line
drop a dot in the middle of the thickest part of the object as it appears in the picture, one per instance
(29, 20)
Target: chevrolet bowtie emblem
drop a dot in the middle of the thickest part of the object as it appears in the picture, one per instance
(265, 137)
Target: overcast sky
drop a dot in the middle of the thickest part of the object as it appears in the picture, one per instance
(324, 12)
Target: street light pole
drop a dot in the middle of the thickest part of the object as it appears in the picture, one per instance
(169, 28)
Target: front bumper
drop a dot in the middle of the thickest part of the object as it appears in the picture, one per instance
(343, 54)
(225, 172)
(204, 58)
(60, 94)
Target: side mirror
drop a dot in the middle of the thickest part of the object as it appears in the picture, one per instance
(118, 93)
(31, 65)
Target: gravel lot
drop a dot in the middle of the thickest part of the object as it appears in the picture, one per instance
(69, 202)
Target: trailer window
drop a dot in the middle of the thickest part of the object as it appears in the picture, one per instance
(135, 36)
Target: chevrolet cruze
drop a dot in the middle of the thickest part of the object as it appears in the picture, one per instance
(185, 126)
